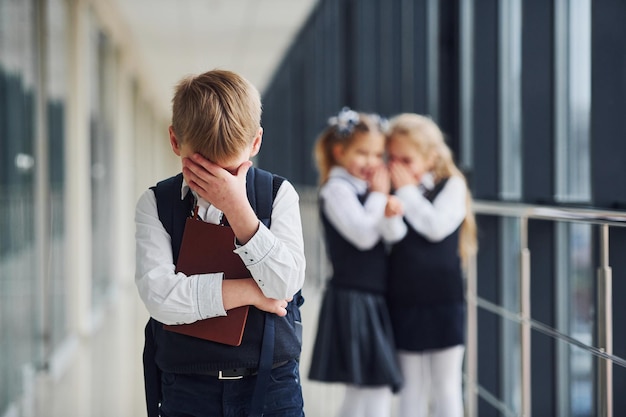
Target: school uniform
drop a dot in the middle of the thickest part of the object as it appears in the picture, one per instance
(199, 377)
(426, 290)
(354, 342)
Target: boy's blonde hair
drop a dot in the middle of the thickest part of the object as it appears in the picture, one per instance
(342, 130)
(217, 113)
(424, 134)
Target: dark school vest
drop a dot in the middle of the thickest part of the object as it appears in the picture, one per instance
(364, 270)
(177, 353)
(424, 272)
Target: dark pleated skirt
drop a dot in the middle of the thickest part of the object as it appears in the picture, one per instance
(354, 343)
(420, 328)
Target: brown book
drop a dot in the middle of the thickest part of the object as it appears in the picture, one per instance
(208, 248)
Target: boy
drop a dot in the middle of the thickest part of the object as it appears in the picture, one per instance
(215, 131)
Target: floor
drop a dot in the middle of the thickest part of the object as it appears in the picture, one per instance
(104, 374)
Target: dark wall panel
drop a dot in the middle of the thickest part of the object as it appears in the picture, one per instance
(369, 55)
(617, 260)
(608, 92)
(489, 325)
(449, 60)
(537, 101)
(543, 292)
(486, 101)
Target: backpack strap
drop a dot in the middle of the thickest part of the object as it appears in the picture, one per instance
(262, 187)
(261, 194)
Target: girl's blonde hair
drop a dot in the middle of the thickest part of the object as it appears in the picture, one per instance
(423, 133)
(342, 130)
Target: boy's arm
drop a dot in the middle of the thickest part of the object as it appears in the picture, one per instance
(275, 258)
(176, 298)
(239, 292)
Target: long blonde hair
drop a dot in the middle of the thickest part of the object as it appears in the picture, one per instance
(342, 130)
(423, 133)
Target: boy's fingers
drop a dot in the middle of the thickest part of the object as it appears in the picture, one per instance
(283, 310)
(206, 164)
(190, 176)
(192, 169)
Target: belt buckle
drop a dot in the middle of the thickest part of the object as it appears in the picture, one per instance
(220, 375)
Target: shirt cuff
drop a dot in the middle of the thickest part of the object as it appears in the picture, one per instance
(257, 249)
(209, 296)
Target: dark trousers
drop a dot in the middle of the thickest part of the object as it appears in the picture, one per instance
(208, 396)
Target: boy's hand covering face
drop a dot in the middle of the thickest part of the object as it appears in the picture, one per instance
(223, 188)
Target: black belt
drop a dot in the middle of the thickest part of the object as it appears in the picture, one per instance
(238, 373)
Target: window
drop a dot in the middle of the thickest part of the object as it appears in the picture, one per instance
(575, 318)
(19, 289)
(510, 296)
(466, 82)
(102, 78)
(56, 64)
(573, 184)
(510, 30)
(573, 99)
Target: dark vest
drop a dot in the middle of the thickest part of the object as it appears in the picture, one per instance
(425, 272)
(179, 353)
(364, 270)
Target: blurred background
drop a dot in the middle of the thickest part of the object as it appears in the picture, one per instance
(531, 95)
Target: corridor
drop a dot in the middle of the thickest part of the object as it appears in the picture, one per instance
(104, 377)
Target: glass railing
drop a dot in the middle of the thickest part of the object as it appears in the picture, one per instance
(583, 344)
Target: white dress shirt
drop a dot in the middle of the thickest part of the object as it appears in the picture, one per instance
(437, 220)
(275, 259)
(363, 225)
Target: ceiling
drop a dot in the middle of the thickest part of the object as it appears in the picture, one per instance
(177, 38)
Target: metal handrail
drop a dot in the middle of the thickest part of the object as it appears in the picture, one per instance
(556, 213)
(603, 218)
